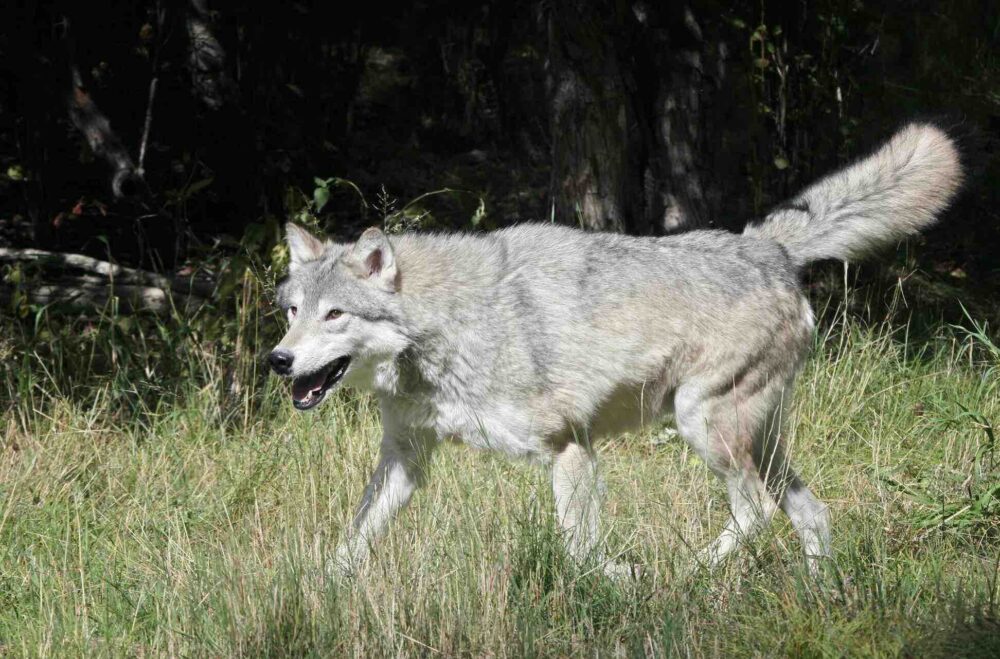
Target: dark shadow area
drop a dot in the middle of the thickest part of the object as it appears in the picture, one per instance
(162, 133)
(972, 633)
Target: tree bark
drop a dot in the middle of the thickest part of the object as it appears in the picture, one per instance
(206, 57)
(630, 89)
(595, 121)
(689, 69)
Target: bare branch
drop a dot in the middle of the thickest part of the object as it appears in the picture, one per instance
(206, 57)
(147, 124)
(140, 171)
(96, 128)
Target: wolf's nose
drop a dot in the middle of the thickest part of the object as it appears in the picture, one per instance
(281, 361)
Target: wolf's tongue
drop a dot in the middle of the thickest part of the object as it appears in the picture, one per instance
(302, 388)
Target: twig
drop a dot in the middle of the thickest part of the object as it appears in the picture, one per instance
(160, 17)
(140, 170)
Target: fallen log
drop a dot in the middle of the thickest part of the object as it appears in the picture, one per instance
(102, 282)
(110, 270)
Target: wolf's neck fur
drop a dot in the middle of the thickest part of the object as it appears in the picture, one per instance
(437, 265)
(444, 282)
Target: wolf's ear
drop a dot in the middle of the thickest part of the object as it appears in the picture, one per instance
(302, 246)
(372, 258)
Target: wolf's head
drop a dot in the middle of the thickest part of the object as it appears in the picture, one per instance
(343, 311)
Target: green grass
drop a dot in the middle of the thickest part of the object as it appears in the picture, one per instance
(159, 496)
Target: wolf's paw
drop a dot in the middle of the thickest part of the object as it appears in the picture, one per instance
(821, 566)
(622, 572)
(344, 565)
(825, 573)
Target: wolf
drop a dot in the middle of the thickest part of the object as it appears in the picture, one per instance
(540, 340)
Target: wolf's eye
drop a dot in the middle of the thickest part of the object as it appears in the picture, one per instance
(334, 314)
(291, 313)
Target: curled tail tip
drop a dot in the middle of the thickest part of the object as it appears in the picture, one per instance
(897, 191)
(933, 152)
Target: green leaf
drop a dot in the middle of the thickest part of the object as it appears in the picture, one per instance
(198, 186)
(254, 235)
(480, 213)
(321, 195)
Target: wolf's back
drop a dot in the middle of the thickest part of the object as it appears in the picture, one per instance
(897, 191)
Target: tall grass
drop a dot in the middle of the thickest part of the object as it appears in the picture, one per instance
(159, 496)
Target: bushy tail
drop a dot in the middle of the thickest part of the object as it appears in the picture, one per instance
(896, 192)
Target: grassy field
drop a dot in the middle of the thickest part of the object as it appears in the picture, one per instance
(160, 497)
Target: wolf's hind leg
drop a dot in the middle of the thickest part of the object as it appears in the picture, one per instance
(809, 516)
(751, 509)
(724, 428)
(738, 434)
(811, 520)
(578, 490)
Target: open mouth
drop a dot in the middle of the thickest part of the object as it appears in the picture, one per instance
(309, 390)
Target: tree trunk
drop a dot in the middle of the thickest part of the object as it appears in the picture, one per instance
(630, 89)
(689, 69)
(596, 129)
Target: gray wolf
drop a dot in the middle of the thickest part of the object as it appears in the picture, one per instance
(540, 340)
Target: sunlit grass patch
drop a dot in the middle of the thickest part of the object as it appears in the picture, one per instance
(150, 510)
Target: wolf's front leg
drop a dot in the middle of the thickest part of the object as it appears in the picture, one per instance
(401, 469)
(578, 490)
